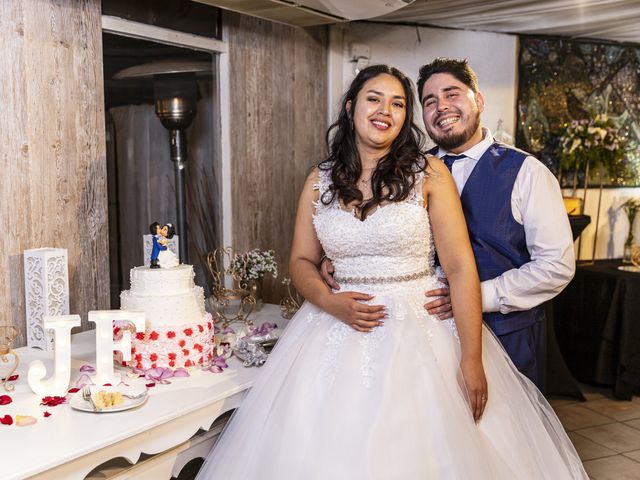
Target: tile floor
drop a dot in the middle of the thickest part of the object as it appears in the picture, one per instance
(605, 432)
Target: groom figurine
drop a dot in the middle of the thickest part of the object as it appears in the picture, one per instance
(519, 229)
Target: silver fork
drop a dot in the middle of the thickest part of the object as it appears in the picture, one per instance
(86, 394)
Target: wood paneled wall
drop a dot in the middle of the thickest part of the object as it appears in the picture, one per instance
(278, 123)
(52, 148)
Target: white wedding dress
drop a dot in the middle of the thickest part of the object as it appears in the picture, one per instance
(332, 403)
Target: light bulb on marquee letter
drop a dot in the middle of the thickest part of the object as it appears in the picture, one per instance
(105, 345)
(59, 381)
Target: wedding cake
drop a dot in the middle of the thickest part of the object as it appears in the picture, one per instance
(177, 326)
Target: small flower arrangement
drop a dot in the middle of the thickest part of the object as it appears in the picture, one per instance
(253, 265)
(596, 142)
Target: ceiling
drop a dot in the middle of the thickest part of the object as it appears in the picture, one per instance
(615, 20)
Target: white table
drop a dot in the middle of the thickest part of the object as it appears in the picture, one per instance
(69, 444)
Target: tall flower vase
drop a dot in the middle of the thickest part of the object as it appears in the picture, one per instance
(631, 208)
(256, 290)
(628, 243)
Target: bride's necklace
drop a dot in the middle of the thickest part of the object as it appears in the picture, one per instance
(366, 181)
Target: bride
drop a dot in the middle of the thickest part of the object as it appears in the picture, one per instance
(365, 384)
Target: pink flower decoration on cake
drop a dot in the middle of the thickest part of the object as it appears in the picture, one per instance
(171, 334)
(154, 336)
(140, 336)
(188, 332)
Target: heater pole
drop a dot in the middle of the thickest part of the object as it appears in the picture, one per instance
(178, 140)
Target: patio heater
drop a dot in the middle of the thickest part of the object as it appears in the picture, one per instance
(175, 92)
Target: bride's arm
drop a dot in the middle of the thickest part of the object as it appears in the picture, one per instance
(306, 254)
(456, 257)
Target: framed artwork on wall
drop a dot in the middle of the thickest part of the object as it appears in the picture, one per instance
(563, 82)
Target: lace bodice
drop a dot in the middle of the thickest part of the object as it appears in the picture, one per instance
(393, 241)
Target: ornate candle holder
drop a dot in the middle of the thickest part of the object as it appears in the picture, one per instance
(231, 304)
(291, 303)
(7, 336)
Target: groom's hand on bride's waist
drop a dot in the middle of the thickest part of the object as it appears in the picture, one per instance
(441, 305)
(326, 272)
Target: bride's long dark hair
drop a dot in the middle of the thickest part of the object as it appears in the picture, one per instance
(395, 174)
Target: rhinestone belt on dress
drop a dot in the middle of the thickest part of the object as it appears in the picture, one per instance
(371, 280)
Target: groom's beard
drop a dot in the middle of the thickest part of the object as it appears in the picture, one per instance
(450, 140)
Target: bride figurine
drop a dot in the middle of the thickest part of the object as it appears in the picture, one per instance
(161, 256)
(364, 383)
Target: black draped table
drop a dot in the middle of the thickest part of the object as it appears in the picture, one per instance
(597, 323)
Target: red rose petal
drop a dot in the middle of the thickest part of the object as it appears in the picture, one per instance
(74, 390)
(53, 401)
(5, 399)
(47, 414)
(6, 420)
(107, 385)
(12, 378)
(149, 385)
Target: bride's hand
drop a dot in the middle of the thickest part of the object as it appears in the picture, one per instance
(476, 384)
(348, 307)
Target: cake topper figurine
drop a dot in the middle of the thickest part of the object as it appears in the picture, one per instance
(161, 256)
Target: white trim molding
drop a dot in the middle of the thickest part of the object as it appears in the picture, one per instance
(129, 28)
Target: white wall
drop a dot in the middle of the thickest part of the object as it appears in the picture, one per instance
(613, 225)
(493, 56)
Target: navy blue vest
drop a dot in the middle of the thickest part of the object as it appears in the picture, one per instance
(498, 241)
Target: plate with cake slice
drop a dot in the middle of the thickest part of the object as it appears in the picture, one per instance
(108, 399)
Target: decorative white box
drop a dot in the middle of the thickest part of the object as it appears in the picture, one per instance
(46, 288)
(147, 246)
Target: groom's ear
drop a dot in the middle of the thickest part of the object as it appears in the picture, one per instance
(480, 101)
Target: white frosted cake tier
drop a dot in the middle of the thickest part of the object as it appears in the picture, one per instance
(159, 282)
(178, 331)
(167, 309)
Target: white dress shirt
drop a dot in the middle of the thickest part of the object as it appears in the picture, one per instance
(536, 203)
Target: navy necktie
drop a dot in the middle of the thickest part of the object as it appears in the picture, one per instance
(449, 159)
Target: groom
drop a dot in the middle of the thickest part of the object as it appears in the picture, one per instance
(519, 229)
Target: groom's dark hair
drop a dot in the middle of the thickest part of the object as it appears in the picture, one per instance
(460, 69)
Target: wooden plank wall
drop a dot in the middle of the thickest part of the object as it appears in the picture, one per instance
(278, 104)
(52, 148)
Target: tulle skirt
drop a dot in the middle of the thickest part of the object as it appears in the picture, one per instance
(334, 403)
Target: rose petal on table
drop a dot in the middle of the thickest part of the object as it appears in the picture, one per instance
(47, 414)
(181, 372)
(6, 420)
(86, 368)
(107, 385)
(25, 420)
(12, 378)
(53, 401)
(5, 400)
(73, 390)
(151, 384)
(83, 380)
